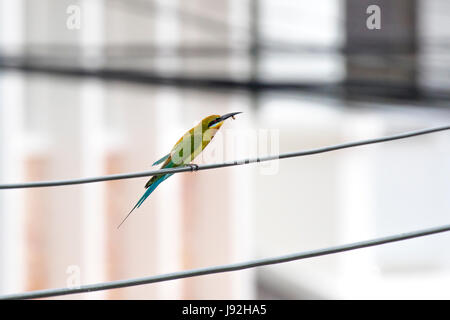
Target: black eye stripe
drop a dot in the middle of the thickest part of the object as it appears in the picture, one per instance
(213, 122)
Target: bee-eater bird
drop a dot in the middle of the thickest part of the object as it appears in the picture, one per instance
(184, 151)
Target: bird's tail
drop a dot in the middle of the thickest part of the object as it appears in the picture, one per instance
(149, 190)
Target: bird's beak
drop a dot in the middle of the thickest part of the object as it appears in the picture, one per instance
(228, 115)
(222, 118)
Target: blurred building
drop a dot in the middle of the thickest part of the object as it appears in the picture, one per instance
(115, 94)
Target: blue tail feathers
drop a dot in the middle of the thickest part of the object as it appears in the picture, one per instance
(149, 190)
(152, 188)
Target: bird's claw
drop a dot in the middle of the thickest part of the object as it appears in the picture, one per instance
(193, 166)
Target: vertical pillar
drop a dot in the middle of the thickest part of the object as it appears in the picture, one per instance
(11, 166)
(92, 150)
(382, 61)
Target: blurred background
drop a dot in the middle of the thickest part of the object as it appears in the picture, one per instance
(99, 87)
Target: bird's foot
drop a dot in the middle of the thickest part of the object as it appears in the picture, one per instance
(193, 166)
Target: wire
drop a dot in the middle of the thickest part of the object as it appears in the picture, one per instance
(398, 90)
(228, 267)
(150, 50)
(221, 165)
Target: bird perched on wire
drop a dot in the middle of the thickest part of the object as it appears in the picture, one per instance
(184, 151)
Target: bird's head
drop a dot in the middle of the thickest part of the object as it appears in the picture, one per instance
(216, 121)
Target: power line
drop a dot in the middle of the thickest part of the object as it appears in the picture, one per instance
(221, 165)
(151, 50)
(229, 267)
(365, 88)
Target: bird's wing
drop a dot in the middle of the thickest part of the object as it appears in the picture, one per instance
(161, 160)
(178, 157)
(186, 149)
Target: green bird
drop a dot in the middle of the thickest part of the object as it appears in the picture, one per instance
(190, 145)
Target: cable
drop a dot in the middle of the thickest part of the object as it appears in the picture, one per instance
(228, 267)
(396, 90)
(135, 50)
(221, 165)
